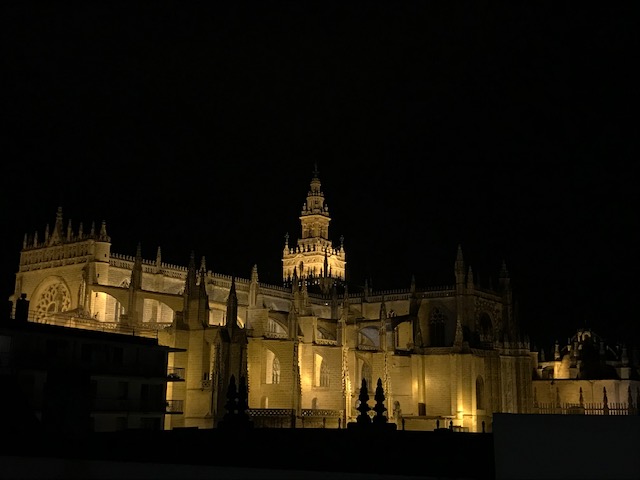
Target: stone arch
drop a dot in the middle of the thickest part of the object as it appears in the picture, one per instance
(369, 337)
(156, 311)
(323, 333)
(274, 326)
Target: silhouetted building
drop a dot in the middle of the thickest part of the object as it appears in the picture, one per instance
(72, 381)
(587, 375)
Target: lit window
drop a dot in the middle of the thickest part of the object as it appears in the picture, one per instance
(366, 375)
(324, 374)
(275, 373)
(272, 369)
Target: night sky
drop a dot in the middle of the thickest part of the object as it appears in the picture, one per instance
(510, 130)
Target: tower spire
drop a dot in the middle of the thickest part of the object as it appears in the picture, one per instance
(304, 258)
(56, 236)
(232, 306)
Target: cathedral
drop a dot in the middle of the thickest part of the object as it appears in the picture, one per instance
(449, 356)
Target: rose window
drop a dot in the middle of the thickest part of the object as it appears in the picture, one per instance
(54, 299)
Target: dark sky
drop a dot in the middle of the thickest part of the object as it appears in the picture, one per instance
(510, 130)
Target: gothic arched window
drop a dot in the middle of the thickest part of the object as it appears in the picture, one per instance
(366, 375)
(324, 374)
(436, 328)
(480, 393)
(275, 371)
(272, 368)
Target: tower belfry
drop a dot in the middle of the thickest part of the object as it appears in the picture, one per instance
(314, 259)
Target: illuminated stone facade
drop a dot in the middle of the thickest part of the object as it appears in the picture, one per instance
(448, 356)
(314, 257)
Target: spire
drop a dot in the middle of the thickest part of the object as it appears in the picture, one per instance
(232, 306)
(459, 336)
(459, 268)
(382, 333)
(459, 257)
(190, 284)
(317, 225)
(103, 231)
(314, 249)
(136, 272)
(56, 235)
(383, 309)
(342, 321)
(470, 278)
(253, 287)
(203, 280)
(294, 280)
(504, 273)
(326, 264)
(504, 279)
(158, 258)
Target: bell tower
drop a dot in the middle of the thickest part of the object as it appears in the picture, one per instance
(314, 259)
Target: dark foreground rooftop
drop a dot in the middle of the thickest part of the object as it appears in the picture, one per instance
(256, 453)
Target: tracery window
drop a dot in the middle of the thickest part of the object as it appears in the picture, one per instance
(324, 374)
(54, 299)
